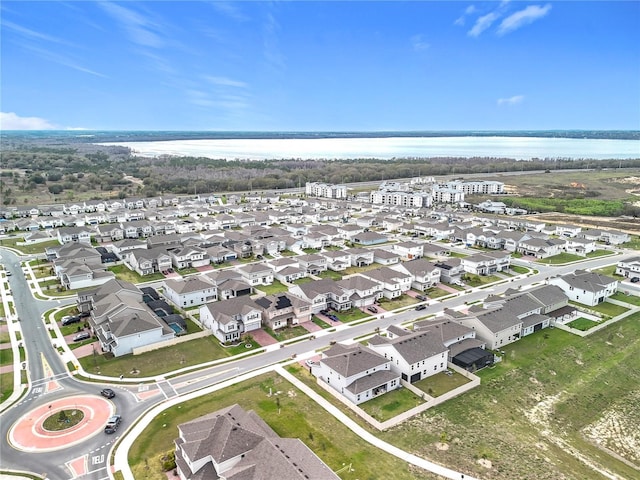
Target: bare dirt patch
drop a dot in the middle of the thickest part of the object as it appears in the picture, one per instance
(617, 430)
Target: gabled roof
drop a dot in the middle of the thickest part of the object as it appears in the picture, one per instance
(416, 347)
(352, 360)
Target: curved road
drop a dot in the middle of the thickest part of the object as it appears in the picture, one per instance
(133, 400)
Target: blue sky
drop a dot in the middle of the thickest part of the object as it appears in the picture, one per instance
(330, 65)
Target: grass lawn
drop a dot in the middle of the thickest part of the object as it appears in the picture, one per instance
(4, 337)
(320, 322)
(6, 385)
(276, 287)
(391, 404)
(480, 280)
(365, 268)
(599, 253)
(288, 253)
(440, 383)
(123, 273)
(247, 345)
(297, 417)
(634, 243)
(159, 361)
(351, 315)
(610, 309)
(518, 269)
(6, 356)
(437, 292)
(184, 271)
(632, 299)
(610, 271)
(310, 251)
(582, 324)
(192, 327)
(457, 255)
(330, 274)
(577, 379)
(401, 301)
(560, 259)
(286, 333)
(28, 249)
(303, 280)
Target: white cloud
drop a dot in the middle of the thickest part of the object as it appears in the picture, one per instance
(462, 18)
(11, 121)
(32, 34)
(523, 17)
(229, 9)
(226, 82)
(482, 23)
(62, 60)
(418, 43)
(139, 28)
(469, 10)
(515, 100)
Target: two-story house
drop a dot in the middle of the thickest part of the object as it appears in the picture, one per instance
(191, 291)
(230, 319)
(588, 288)
(424, 274)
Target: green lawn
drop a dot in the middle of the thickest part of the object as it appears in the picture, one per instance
(6, 385)
(479, 280)
(365, 268)
(391, 404)
(296, 417)
(440, 383)
(599, 253)
(607, 308)
(351, 315)
(330, 274)
(610, 271)
(579, 379)
(4, 337)
(6, 356)
(124, 273)
(159, 361)
(182, 271)
(28, 249)
(276, 287)
(582, 324)
(560, 259)
(401, 301)
(303, 280)
(320, 322)
(634, 243)
(457, 255)
(519, 269)
(286, 333)
(632, 299)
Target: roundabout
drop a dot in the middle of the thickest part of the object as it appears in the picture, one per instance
(29, 434)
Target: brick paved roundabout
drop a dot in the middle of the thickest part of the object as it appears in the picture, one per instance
(28, 433)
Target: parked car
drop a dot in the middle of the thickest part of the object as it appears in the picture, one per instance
(81, 336)
(421, 297)
(107, 393)
(69, 319)
(635, 280)
(112, 424)
(310, 363)
(372, 309)
(8, 273)
(421, 307)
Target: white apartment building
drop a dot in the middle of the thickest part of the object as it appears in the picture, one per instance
(318, 189)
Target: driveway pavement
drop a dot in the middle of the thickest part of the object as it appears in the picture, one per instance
(263, 338)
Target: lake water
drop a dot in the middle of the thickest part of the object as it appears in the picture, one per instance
(520, 148)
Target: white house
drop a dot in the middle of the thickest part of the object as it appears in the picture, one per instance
(356, 372)
(229, 319)
(585, 287)
(414, 355)
(629, 268)
(424, 273)
(191, 291)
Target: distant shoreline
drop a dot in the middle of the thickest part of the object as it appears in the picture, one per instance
(387, 148)
(92, 136)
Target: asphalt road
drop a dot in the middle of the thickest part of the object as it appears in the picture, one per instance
(37, 342)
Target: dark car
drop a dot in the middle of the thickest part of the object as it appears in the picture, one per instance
(69, 319)
(421, 307)
(107, 393)
(421, 297)
(81, 336)
(635, 280)
(112, 424)
(372, 309)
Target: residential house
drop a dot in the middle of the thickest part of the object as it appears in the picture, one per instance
(409, 250)
(486, 263)
(191, 291)
(284, 310)
(394, 281)
(122, 321)
(74, 235)
(539, 247)
(356, 372)
(424, 274)
(286, 269)
(385, 257)
(496, 327)
(360, 257)
(256, 274)
(629, 268)
(230, 319)
(337, 260)
(313, 264)
(229, 284)
(413, 355)
(232, 443)
(369, 238)
(189, 257)
(148, 261)
(588, 288)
